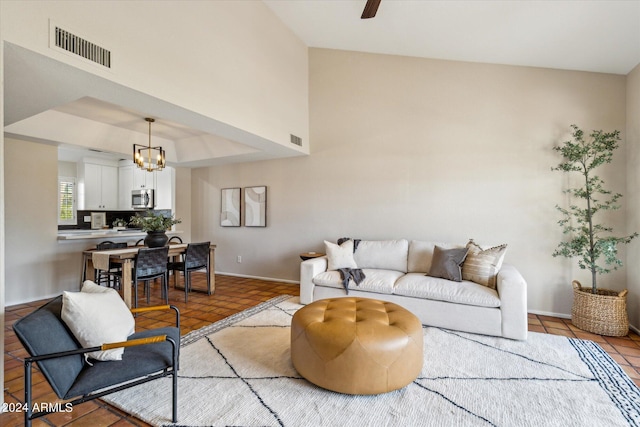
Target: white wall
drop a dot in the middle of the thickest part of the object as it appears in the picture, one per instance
(631, 199)
(228, 60)
(234, 62)
(423, 149)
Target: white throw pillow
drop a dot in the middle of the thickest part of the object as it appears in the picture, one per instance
(340, 256)
(96, 316)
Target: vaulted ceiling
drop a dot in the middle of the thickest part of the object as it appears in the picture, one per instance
(600, 36)
(597, 36)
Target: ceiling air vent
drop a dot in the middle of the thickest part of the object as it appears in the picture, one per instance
(81, 47)
(296, 140)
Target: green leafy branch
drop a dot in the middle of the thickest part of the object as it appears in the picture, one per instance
(153, 222)
(589, 242)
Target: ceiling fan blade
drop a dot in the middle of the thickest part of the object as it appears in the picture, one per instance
(370, 9)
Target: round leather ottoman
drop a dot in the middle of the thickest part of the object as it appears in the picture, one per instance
(356, 345)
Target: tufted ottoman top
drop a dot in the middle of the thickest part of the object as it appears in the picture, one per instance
(356, 345)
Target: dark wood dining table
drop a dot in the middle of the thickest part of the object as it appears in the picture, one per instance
(126, 257)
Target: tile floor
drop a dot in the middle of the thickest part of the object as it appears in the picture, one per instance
(232, 294)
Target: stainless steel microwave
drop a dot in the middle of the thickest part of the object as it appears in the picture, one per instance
(143, 199)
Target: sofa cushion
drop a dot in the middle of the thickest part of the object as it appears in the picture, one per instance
(418, 285)
(421, 255)
(340, 256)
(447, 263)
(382, 254)
(380, 281)
(482, 265)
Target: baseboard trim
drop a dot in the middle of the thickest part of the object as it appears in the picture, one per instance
(269, 279)
(550, 313)
(568, 316)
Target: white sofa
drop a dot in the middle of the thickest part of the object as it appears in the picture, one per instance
(396, 270)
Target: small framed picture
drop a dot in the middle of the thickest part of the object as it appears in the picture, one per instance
(98, 220)
(255, 206)
(230, 207)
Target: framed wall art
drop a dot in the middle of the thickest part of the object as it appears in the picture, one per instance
(230, 207)
(255, 206)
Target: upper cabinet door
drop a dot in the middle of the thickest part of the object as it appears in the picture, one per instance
(109, 187)
(165, 188)
(92, 188)
(125, 185)
(143, 179)
(100, 187)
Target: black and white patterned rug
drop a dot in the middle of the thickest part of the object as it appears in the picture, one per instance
(238, 372)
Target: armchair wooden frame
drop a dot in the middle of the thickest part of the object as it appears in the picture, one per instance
(98, 392)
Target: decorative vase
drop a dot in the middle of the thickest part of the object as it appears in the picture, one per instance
(604, 313)
(156, 239)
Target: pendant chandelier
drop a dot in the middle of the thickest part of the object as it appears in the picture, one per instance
(149, 158)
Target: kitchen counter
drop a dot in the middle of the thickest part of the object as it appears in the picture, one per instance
(104, 234)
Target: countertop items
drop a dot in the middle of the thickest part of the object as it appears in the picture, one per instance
(104, 233)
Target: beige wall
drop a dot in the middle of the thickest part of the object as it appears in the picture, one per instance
(2, 202)
(182, 196)
(401, 147)
(631, 200)
(31, 171)
(38, 265)
(423, 149)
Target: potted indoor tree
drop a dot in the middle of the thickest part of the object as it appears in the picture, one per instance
(155, 225)
(596, 310)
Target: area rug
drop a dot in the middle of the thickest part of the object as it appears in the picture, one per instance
(237, 372)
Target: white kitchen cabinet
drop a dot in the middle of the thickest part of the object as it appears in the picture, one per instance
(143, 179)
(132, 177)
(99, 185)
(125, 185)
(165, 188)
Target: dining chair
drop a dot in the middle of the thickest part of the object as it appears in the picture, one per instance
(150, 263)
(176, 239)
(196, 257)
(114, 273)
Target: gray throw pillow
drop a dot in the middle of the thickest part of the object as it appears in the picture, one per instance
(446, 263)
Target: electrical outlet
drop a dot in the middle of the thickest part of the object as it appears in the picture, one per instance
(239, 259)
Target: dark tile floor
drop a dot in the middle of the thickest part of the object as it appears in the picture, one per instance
(232, 295)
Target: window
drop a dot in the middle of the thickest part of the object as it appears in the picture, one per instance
(66, 200)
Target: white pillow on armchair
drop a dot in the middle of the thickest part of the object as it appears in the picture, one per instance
(97, 315)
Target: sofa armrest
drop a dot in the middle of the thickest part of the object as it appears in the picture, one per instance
(512, 289)
(308, 270)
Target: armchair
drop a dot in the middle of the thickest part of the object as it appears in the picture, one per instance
(149, 355)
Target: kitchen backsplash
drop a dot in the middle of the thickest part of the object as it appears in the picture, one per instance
(111, 217)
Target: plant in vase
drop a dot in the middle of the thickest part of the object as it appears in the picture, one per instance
(156, 226)
(596, 310)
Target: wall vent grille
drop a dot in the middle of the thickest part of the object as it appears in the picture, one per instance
(81, 47)
(296, 140)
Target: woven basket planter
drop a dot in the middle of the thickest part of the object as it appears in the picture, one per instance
(604, 313)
